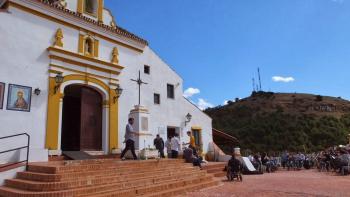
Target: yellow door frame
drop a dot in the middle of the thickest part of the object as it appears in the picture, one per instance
(53, 112)
(199, 129)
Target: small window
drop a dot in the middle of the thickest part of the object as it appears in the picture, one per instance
(90, 7)
(147, 69)
(170, 91)
(157, 99)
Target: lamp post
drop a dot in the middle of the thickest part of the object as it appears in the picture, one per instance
(118, 91)
(188, 118)
(59, 80)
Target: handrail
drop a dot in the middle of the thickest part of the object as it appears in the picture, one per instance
(18, 148)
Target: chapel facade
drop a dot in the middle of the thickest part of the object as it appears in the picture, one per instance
(68, 75)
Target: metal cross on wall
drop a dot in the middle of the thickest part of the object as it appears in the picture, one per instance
(139, 82)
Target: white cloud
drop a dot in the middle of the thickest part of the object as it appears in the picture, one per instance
(203, 104)
(282, 79)
(190, 92)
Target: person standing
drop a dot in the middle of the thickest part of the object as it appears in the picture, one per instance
(129, 139)
(159, 144)
(168, 146)
(192, 143)
(175, 146)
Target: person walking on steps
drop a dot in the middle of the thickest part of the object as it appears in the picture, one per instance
(175, 146)
(129, 139)
(159, 144)
(168, 146)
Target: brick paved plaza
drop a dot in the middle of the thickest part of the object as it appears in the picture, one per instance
(282, 183)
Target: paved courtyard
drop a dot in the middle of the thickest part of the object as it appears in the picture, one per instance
(282, 183)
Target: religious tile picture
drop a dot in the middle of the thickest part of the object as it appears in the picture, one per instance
(19, 98)
(2, 92)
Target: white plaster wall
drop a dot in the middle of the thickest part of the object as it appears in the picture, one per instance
(25, 61)
(200, 119)
(10, 174)
(107, 17)
(171, 112)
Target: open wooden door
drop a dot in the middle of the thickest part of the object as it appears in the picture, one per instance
(91, 120)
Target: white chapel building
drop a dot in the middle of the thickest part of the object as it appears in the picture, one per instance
(67, 78)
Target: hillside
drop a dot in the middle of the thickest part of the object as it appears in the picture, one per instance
(268, 121)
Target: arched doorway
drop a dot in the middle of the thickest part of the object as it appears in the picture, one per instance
(81, 119)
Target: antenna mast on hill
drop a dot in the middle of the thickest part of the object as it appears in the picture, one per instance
(260, 89)
(253, 84)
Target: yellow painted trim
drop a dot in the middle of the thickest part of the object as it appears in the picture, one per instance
(199, 129)
(80, 6)
(52, 116)
(86, 58)
(196, 128)
(62, 22)
(96, 47)
(83, 65)
(113, 84)
(54, 71)
(87, 79)
(79, 72)
(100, 11)
(53, 111)
(113, 121)
(81, 44)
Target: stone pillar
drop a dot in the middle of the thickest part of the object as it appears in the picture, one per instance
(143, 137)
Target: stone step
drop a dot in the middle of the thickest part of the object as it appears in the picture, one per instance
(73, 166)
(96, 190)
(216, 169)
(213, 170)
(219, 174)
(182, 190)
(55, 186)
(158, 187)
(107, 178)
(89, 174)
(214, 166)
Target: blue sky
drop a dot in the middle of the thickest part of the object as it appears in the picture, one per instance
(217, 45)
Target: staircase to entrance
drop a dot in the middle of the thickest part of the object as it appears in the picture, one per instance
(108, 178)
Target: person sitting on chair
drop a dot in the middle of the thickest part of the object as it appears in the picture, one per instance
(191, 158)
(234, 168)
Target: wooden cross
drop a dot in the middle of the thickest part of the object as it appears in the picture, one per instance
(139, 82)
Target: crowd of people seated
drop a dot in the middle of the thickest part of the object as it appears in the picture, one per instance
(263, 162)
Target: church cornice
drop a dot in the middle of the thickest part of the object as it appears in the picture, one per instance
(83, 61)
(76, 20)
